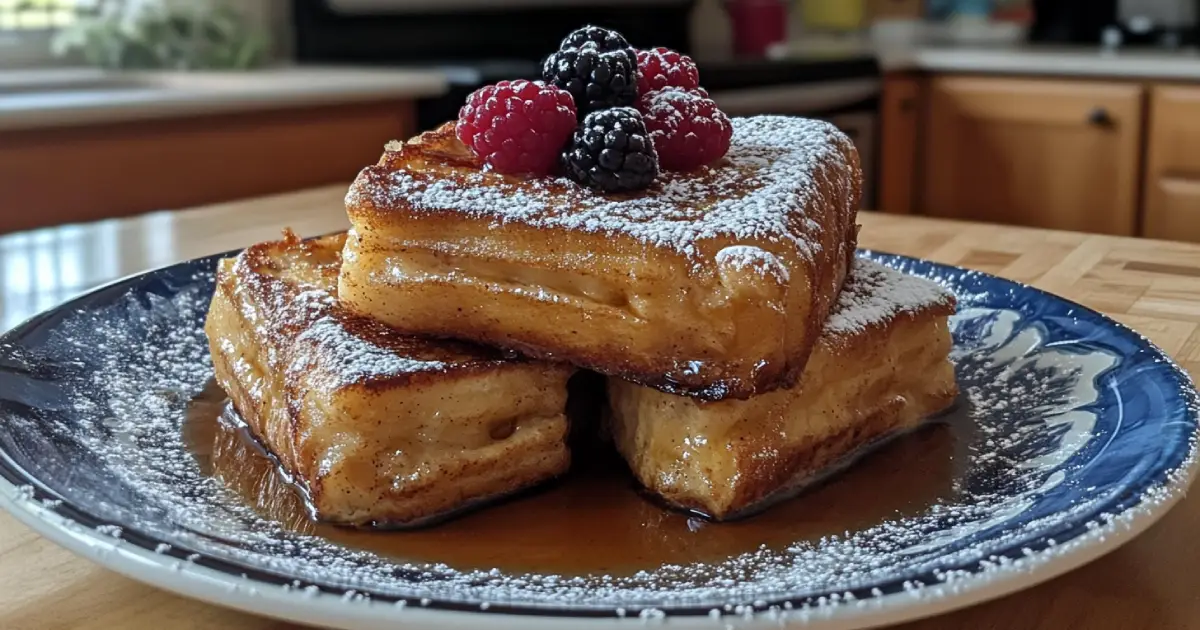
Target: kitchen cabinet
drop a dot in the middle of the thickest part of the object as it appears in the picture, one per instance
(895, 9)
(1172, 189)
(899, 128)
(1038, 152)
(83, 173)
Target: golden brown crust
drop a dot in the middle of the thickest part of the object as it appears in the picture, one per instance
(880, 367)
(779, 480)
(264, 274)
(377, 427)
(772, 481)
(712, 284)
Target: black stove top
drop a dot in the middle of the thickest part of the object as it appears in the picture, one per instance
(325, 35)
(721, 76)
(730, 74)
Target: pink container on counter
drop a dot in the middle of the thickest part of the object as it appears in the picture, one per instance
(757, 24)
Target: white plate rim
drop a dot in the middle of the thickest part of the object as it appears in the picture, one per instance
(335, 611)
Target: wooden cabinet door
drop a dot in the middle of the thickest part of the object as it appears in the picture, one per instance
(895, 9)
(1045, 153)
(899, 119)
(1172, 206)
(90, 172)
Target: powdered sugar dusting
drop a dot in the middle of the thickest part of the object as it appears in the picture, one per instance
(353, 358)
(876, 293)
(763, 192)
(755, 260)
(141, 358)
(296, 315)
(662, 106)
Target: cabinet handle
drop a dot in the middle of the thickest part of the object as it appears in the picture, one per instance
(1099, 117)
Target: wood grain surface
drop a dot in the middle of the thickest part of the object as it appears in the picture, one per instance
(1153, 286)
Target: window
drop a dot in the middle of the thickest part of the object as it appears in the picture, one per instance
(36, 15)
(27, 27)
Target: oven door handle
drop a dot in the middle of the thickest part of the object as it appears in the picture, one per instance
(805, 99)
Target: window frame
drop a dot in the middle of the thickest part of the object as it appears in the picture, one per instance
(32, 47)
(24, 48)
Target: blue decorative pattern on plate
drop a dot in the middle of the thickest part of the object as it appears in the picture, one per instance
(1075, 433)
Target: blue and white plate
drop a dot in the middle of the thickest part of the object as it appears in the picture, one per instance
(1075, 434)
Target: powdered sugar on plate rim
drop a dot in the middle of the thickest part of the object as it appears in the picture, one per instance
(1078, 538)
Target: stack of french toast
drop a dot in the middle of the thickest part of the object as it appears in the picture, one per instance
(608, 219)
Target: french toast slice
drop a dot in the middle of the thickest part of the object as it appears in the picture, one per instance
(712, 283)
(880, 367)
(376, 427)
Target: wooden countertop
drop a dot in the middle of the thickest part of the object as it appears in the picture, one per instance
(1152, 286)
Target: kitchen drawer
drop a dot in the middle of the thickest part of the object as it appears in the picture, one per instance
(1174, 147)
(1039, 152)
(1173, 209)
(1172, 198)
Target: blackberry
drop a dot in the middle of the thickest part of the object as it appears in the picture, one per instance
(597, 66)
(612, 152)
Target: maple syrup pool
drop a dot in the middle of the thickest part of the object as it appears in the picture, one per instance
(594, 520)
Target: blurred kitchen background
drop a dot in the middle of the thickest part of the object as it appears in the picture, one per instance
(1072, 114)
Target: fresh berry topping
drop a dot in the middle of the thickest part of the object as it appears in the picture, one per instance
(686, 127)
(517, 126)
(612, 152)
(662, 67)
(597, 66)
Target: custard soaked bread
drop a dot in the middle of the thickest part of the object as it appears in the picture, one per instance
(713, 283)
(378, 427)
(881, 366)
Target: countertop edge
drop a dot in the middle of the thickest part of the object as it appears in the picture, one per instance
(1031, 60)
(53, 110)
(1025, 62)
(298, 87)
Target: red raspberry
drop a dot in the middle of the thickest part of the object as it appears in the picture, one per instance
(662, 67)
(518, 126)
(686, 127)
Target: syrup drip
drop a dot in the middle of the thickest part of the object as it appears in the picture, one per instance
(594, 520)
